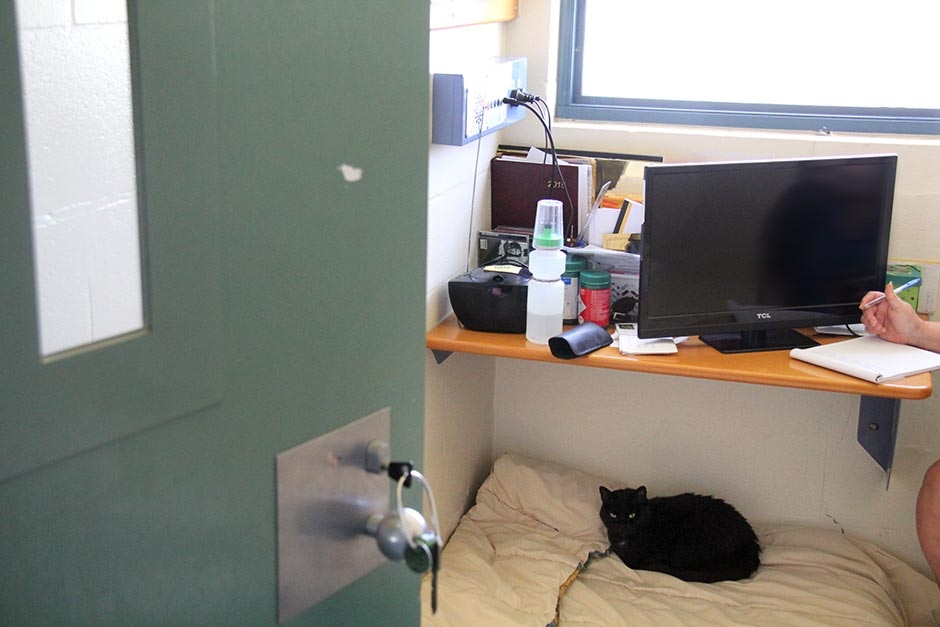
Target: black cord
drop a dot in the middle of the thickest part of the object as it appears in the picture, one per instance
(547, 135)
(543, 106)
(555, 165)
(473, 196)
(545, 143)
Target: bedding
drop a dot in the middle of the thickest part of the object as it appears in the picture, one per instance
(535, 527)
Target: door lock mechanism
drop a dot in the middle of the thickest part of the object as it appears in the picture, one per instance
(395, 535)
(403, 534)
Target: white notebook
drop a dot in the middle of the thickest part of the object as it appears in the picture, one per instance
(870, 358)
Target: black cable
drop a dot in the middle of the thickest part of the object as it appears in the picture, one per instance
(546, 138)
(555, 165)
(548, 114)
(473, 196)
(543, 110)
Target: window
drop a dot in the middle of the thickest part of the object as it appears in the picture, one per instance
(816, 65)
(79, 117)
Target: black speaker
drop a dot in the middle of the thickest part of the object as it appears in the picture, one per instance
(490, 301)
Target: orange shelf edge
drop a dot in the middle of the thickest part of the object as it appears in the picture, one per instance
(694, 359)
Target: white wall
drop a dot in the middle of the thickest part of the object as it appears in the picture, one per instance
(777, 454)
(459, 392)
(77, 97)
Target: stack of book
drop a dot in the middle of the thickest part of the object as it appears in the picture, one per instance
(519, 181)
(520, 177)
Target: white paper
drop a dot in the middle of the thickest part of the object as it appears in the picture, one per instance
(630, 344)
(870, 358)
(603, 221)
(635, 219)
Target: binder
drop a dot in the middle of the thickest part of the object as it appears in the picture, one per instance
(517, 184)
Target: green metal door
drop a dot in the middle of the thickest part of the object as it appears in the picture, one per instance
(282, 154)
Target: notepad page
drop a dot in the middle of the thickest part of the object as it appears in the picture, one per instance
(871, 358)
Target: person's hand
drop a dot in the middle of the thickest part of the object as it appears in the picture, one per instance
(892, 319)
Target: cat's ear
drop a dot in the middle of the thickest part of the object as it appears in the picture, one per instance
(605, 494)
(641, 492)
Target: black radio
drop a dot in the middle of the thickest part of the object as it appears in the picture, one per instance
(484, 300)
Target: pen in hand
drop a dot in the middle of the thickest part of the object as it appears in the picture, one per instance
(911, 283)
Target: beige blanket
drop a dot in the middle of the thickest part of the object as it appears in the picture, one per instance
(535, 522)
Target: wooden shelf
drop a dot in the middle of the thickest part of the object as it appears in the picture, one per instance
(879, 406)
(694, 359)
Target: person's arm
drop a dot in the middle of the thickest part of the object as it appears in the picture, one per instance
(896, 321)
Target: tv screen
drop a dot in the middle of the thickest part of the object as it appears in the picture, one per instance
(743, 253)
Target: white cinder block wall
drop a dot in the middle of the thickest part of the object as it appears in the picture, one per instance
(459, 393)
(76, 83)
(777, 454)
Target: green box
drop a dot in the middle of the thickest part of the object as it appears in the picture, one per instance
(901, 273)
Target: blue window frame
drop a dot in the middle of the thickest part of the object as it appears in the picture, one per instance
(860, 68)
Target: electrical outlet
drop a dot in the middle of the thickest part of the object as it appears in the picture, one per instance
(466, 106)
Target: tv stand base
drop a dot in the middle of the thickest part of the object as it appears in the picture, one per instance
(756, 341)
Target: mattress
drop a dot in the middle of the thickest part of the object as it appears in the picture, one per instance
(533, 543)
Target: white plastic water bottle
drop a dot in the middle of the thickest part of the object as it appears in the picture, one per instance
(545, 302)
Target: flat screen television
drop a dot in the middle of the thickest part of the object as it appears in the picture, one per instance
(744, 253)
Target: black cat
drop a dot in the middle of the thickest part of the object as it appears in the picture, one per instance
(689, 536)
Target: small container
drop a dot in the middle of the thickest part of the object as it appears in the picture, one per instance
(595, 297)
(574, 264)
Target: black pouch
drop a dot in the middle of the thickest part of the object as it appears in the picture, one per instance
(579, 340)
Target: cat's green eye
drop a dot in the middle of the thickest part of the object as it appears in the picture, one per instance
(631, 515)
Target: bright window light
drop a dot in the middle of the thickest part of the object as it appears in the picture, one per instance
(805, 57)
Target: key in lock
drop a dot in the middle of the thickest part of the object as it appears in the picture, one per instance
(425, 556)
